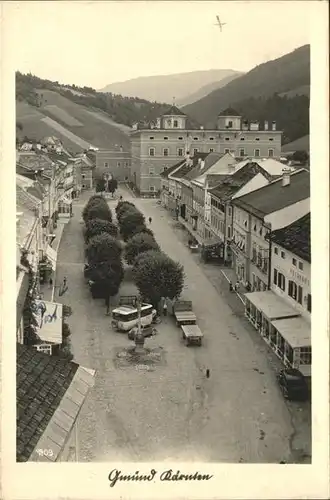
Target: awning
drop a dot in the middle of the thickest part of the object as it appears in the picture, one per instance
(52, 255)
(271, 305)
(49, 321)
(296, 331)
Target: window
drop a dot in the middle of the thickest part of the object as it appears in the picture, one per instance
(292, 290)
(151, 151)
(195, 138)
(180, 151)
(196, 150)
(83, 186)
(106, 164)
(83, 176)
(175, 124)
(305, 355)
(242, 139)
(270, 153)
(275, 276)
(211, 138)
(276, 250)
(227, 151)
(165, 152)
(165, 138)
(281, 281)
(151, 170)
(309, 303)
(257, 139)
(229, 211)
(151, 138)
(118, 164)
(301, 266)
(229, 232)
(230, 124)
(180, 138)
(211, 150)
(257, 153)
(283, 255)
(226, 138)
(300, 294)
(271, 138)
(294, 262)
(242, 152)
(151, 188)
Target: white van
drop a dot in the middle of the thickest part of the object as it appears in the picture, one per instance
(125, 317)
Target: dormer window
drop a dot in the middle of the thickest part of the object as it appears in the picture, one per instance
(175, 123)
(242, 139)
(211, 139)
(151, 138)
(169, 122)
(271, 138)
(226, 138)
(257, 139)
(230, 124)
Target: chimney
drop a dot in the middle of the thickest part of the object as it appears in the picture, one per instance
(121, 148)
(254, 125)
(266, 125)
(245, 125)
(273, 125)
(286, 177)
(199, 161)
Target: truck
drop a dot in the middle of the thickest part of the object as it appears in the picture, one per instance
(183, 312)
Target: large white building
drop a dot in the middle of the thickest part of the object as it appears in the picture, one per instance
(157, 148)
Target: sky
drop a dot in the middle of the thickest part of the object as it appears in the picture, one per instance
(97, 43)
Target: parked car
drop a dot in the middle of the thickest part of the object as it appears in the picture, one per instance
(293, 384)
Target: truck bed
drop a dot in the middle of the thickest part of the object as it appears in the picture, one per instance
(191, 331)
(184, 315)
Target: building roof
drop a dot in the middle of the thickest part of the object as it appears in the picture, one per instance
(165, 173)
(44, 384)
(173, 111)
(229, 112)
(186, 168)
(219, 161)
(26, 199)
(296, 237)
(275, 196)
(34, 161)
(230, 184)
(209, 158)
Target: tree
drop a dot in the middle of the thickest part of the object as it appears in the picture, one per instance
(142, 229)
(95, 227)
(107, 277)
(103, 248)
(95, 199)
(98, 210)
(300, 156)
(129, 221)
(122, 206)
(112, 185)
(100, 186)
(139, 243)
(156, 275)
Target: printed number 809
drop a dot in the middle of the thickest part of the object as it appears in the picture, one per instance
(45, 453)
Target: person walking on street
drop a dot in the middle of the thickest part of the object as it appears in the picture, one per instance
(107, 303)
(236, 286)
(150, 220)
(207, 373)
(165, 309)
(50, 282)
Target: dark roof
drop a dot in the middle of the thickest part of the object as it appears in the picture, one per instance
(173, 110)
(274, 196)
(296, 237)
(213, 180)
(230, 184)
(185, 170)
(42, 381)
(229, 112)
(165, 173)
(210, 159)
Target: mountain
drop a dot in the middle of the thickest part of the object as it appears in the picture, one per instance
(206, 89)
(163, 88)
(282, 75)
(301, 144)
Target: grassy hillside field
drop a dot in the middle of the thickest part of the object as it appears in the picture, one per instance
(77, 126)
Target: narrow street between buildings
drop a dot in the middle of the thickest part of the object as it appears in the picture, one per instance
(174, 412)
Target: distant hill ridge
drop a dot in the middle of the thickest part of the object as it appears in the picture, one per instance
(162, 88)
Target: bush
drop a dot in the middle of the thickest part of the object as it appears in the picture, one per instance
(156, 275)
(95, 227)
(139, 243)
(129, 221)
(103, 248)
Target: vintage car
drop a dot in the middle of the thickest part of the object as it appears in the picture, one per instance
(293, 384)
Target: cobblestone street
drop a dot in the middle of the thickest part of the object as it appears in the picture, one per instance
(173, 412)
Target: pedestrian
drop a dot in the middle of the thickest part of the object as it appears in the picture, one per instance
(165, 309)
(207, 373)
(150, 220)
(231, 288)
(107, 303)
(50, 282)
(120, 198)
(236, 286)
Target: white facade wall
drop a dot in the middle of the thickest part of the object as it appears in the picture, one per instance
(289, 265)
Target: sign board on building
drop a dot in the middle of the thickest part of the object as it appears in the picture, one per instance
(49, 321)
